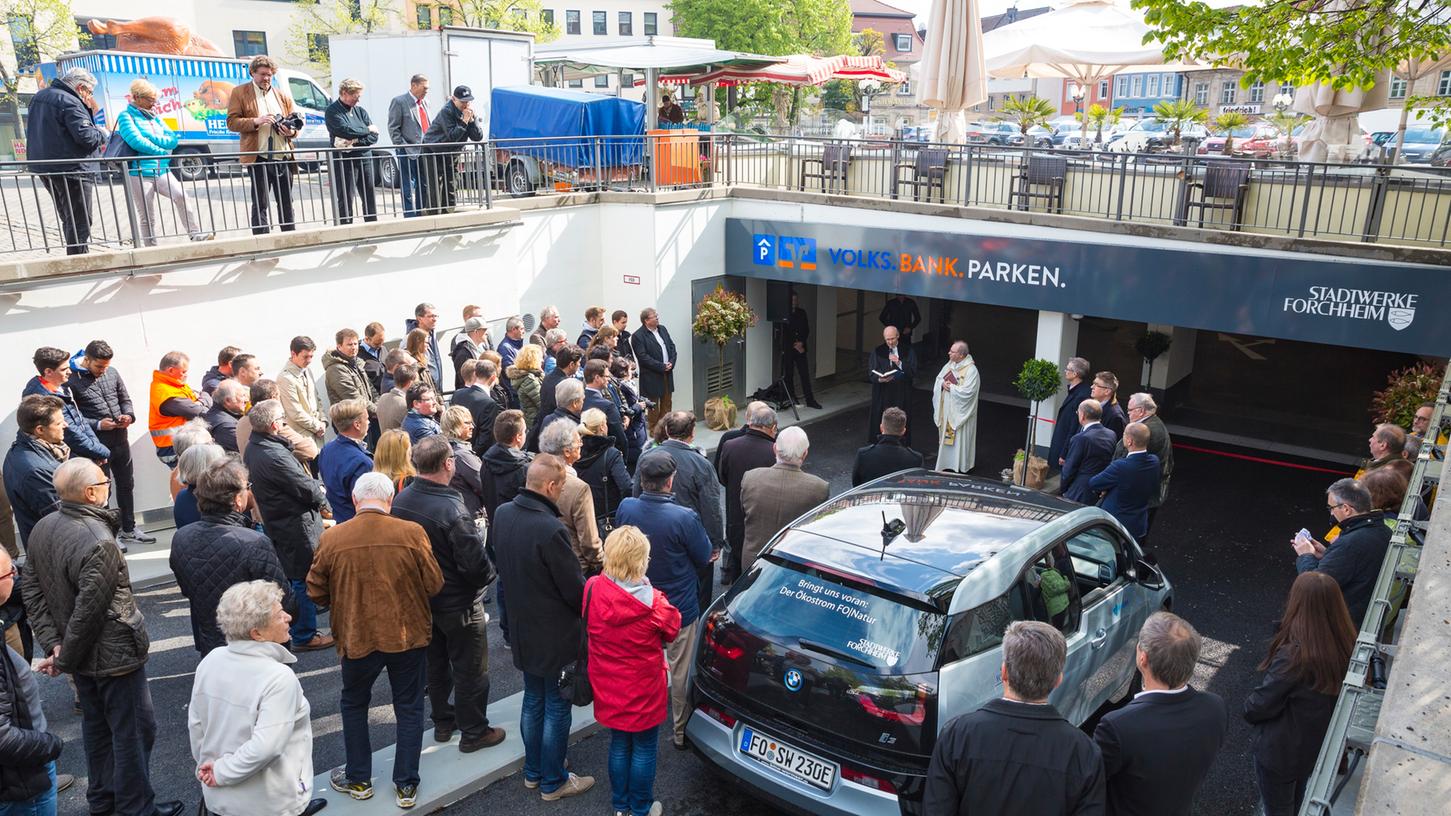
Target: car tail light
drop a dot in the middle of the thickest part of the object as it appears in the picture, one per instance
(887, 703)
(729, 651)
(866, 780)
(716, 714)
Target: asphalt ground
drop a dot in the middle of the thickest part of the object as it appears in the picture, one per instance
(1222, 539)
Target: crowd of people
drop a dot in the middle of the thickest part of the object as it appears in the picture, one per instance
(558, 488)
(66, 143)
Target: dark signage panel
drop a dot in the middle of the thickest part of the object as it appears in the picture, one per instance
(1393, 307)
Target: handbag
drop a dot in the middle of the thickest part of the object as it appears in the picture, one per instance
(117, 148)
(574, 679)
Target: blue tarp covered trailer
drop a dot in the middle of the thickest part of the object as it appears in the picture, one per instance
(565, 135)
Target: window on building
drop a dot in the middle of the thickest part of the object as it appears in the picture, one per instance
(627, 24)
(1287, 88)
(904, 43)
(1228, 90)
(317, 50)
(571, 22)
(602, 81)
(652, 25)
(1398, 88)
(1121, 86)
(547, 15)
(990, 102)
(1443, 86)
(1136, 85)
(1257, 91)
(355, 9)
(1151, 85)
(22, 36)
(445, 15)
(1103, 89)
(424, 17)
(904, 89)
(249, 43)
(1201, 94)
(600, 23)
(576, 83)
(627, 80)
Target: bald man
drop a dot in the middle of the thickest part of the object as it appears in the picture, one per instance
(1128, 484)
(78, 598)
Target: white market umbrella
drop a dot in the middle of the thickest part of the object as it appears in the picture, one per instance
(1084, 40)
(1334, 133)
(954, 76)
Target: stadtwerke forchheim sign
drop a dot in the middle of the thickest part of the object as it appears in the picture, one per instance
(1395, 307)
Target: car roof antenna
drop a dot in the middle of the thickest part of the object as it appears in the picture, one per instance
(890, 531)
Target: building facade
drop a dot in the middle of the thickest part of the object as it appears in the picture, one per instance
(1138, 93)
(902, 45)
(1220, 91)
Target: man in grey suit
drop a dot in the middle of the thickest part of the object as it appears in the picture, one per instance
(775, 496)
(408, 119)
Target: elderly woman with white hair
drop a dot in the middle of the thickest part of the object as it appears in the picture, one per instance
(250, 727)
(195, 461)
(147, 177)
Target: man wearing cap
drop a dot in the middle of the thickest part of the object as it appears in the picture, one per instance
(679, 547)
(454, 124)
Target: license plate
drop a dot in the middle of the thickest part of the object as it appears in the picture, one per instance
(788, 760)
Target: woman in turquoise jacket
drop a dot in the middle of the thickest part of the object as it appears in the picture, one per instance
(147, 177)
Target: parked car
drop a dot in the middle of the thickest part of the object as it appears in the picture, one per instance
(822, 678)
(995, 133)
(1214, 145)
(1150, 136)
(1041, 136)
(1421, 143)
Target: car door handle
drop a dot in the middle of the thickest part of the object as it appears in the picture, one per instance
(1099, 638)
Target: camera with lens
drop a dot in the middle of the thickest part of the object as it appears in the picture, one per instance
(292, 121)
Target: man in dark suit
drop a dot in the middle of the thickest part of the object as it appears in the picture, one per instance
(893, 366)
(566, 364)
(1105, 390)
(756, 448)
(655, 352)
(1129, 483)
(1075, 373)
(408, 120)
(478, 378)
(901, 313)
(1157, 750)
(1089, 452)
(596, 376)
(751, 407)
(887, 454)
(1142, 408)
(794, 333)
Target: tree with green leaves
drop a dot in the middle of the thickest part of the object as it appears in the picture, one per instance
(316, 20)
(507, 15)
(1097, 116)
(40, 30)
(1227, 123)
(1027, 112)
(1178, 114)
(1345, 43)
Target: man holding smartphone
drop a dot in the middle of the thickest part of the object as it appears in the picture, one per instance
(263, 115)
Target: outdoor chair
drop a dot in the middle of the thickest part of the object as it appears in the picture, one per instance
(928, 171)
(1042, 171)
(831, 168)
(1227, 184)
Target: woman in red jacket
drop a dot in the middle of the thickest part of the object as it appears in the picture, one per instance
(629, 624)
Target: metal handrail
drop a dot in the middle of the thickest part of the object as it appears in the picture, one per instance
(1356, 690)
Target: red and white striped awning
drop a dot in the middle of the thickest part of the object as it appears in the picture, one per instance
(801, 69)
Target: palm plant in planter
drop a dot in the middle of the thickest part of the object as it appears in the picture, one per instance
(722, 316)
(1038, 381)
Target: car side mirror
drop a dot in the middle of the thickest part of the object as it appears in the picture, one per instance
(1148, 574)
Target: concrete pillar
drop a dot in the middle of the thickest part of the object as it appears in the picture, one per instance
(1173, 365)
(823, 331)
(1057, 341)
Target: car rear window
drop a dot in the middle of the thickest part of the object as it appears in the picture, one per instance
(802, 608)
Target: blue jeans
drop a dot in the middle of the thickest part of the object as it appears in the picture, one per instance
(632, 769)
(304, 620)
(42, 804)
(410, 186)
(406, 672)
(544, 724)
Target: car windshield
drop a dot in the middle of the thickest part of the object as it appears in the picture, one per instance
(803, 609)
(1153, 126)
(1242, 133)
(1423, 135)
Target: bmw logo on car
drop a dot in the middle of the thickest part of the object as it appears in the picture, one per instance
(792, 680)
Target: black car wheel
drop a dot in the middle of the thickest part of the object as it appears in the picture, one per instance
(517, 180)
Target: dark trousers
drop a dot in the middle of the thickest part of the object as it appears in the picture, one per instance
(118, 728)
(353, 175)
(122, 473)
(731, 560)
(705, 583)
(410, 185)
(458, 663)
(72, 197)
(406, 672)
(276, 177)
(439, 192)
(792, 362)
(1280, 795)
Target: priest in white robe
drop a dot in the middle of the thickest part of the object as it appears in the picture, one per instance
(954, 410)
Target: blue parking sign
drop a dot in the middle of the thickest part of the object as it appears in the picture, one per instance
(763, 249)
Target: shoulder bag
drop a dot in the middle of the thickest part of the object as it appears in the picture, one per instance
(574, 679)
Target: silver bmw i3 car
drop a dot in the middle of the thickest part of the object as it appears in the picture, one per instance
(821, 679)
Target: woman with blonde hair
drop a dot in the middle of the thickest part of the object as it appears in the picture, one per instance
(527, 375)
(416, 344)
(628, 623)
(147, 176)
(458, 429)
(609, 337)
(602, 467)
(391, 458)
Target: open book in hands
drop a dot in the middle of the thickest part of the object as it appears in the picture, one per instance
(886, 375)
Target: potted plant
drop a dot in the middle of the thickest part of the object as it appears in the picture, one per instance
(1039, 380)
(1027, 112)
(1097, 116)
(1405, 391)
(1227, 123)
(1179, 114)
(722, 316)
(1151, 346)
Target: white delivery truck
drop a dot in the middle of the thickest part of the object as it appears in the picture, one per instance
(194, 96)
(450, 56)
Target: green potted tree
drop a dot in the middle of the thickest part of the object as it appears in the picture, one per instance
(1405, 391)
(1150, 346)
(1027, 112)
(1097, 116)
(1039, 380)
(720, 317)
(1227, 123)
(1179, 114)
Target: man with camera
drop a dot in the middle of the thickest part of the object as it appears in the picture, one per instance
(455, 123)
(262, 113)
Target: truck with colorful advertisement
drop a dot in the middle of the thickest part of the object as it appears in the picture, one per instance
(194, 95)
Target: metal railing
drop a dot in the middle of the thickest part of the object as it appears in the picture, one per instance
(53, 206)
(1352, 725)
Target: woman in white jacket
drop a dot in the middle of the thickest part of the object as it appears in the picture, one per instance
(250, 730)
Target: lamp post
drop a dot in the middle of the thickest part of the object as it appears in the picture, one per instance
(1076, 92)
(1281, 103)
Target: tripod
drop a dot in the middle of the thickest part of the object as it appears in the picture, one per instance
(781, 380)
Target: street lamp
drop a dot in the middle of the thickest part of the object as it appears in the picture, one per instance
(1076, 92)
(1282, 102)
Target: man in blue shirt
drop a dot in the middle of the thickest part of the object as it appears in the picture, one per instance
(679, 546)
(345, 459)
(419, 422)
